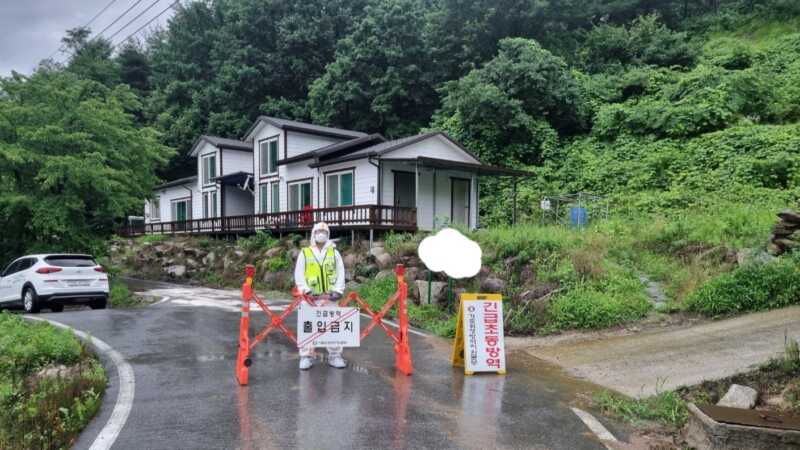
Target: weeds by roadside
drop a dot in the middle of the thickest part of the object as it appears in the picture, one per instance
(37, 409)
(667, 408)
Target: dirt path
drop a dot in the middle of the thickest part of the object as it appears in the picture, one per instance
(641, 364)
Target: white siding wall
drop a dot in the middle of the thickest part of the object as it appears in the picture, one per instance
(433, 147)
(237, 201)
(205, 150)
(236, 161)
(167, 195)
(294, 172)
(365, 180)
(299, 143)
(261, 133)
(425, 194)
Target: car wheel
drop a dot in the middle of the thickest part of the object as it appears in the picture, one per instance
(56, 307)
(30, 301)
(98, 304)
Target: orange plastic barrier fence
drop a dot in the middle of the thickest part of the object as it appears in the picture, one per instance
(276, 322)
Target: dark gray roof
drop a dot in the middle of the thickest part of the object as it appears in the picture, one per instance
(229, 143)
(221, 142)
(339, 148)
(293, 125)
(388, 146)
(177, 182)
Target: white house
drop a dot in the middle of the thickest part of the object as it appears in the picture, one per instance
(285, 175)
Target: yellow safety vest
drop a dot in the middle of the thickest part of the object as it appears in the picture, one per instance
(320, 278)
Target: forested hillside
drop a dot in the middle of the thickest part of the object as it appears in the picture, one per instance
(661, 104)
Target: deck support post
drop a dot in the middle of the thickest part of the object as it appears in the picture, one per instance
(352, 237)
(370, 238)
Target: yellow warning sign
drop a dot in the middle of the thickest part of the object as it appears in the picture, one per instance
(479, 344)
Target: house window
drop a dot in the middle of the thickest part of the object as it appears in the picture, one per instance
(275, 196)
(299, 195)
(269, 157)
(155, 209)
(263, 199)
(209, 169)
(339, 189)
(180, 210)
(209, 204)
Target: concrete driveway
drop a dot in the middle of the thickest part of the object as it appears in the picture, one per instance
(182, 352)
(641, 364)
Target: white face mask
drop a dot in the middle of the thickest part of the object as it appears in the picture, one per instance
(320, 238)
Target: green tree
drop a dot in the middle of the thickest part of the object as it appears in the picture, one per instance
(91, 58)
(72, 161)
(381, 79)
(134, 68)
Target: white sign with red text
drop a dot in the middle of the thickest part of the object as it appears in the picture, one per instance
(482, 322)
(322, 326)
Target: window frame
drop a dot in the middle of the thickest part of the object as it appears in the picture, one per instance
(210, 209)
(299, 183)
(208, 180)
(263, 198)
(174, 208)
(275, 196)
(264, 146)
(155, 208)
(338, 174)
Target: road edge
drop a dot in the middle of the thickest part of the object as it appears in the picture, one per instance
(127, 386)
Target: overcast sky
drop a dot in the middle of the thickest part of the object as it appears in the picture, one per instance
(32, 29)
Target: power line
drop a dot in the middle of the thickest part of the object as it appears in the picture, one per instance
(118, 18)
(146, 24)
(132, 20)
(62, 47)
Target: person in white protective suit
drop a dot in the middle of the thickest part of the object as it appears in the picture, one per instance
(320, 271)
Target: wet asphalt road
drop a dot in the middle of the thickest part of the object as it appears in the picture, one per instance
(186, 396)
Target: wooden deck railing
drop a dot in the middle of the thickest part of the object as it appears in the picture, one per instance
(347, 217)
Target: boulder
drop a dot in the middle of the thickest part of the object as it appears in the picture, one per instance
(789, 216)
(161, 250)
(360, 279)
(210, 259)
(739, 396)
(176, 271)
(239, 253)
(58, 371)
(292, 254)
(351, 286)
(377, 251)
(438, 291)
(493, 285)
(411, 275)
(350, 260)
(787, 243)
(273, 252)
(384, 261)
(192, 263)
(275, 281)
(386, 273)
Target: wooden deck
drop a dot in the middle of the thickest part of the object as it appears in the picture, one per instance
(375, 217)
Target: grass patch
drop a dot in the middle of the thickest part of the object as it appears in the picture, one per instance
(667, 408)
(37, 412)
(427, 317)
(752, 287)
(152, 238)
(120, 296)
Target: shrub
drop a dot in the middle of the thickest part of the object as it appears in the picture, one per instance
(28, 347)
(120, 296)
(586, 307)
(277, 264)
(753, 287)
(38, 412)
(152, 238)
(262, 240)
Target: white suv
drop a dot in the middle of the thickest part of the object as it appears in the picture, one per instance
(52, 281)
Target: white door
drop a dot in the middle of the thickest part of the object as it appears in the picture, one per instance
(460, 201)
